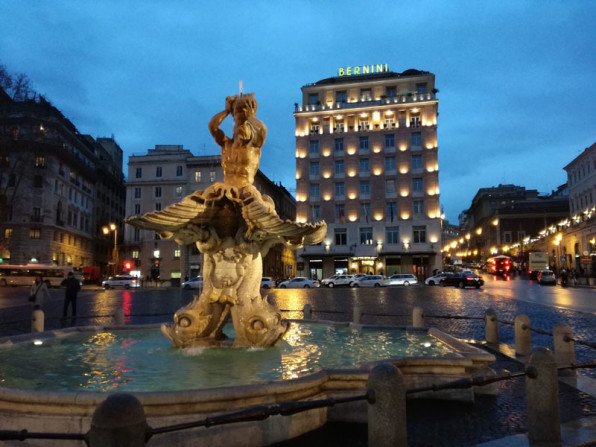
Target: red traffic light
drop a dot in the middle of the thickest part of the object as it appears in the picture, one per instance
(127, 265)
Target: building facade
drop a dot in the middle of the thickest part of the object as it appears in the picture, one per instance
(367, 164)
(55, 187)
(164, 176)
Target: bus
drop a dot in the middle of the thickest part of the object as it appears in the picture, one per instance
(24, 275)
(537, 261)
(499, 265)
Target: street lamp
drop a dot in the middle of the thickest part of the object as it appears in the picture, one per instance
(113, 228)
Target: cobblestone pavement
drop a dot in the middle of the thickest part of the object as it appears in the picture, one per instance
(457, 312)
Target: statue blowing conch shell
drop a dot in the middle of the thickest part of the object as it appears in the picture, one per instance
(234, 226)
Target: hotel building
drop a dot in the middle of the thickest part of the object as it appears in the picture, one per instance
(367, 164)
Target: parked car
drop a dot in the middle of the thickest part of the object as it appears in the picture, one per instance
(463, 280)
(436, 279)
(120, 281)
(193, 283)
(267, 282)
(299, 282)
(370, 281)
(547, 277)
(337, 280)
(402, 279)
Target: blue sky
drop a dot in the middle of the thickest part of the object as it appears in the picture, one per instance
(516, 78)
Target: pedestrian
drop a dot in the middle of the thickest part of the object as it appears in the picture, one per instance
(38, 291)
(70, 295)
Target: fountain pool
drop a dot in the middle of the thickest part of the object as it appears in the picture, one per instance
(53, 381)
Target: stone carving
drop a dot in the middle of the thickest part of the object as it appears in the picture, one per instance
(234, 226)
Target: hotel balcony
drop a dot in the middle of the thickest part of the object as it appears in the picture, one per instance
(399, 99)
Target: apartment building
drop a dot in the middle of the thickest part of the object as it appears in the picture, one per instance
(367, 164)
(56, 187)
(164, 176)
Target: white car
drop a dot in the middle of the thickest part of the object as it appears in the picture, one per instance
(193, 283)
(120, 281)
(370, 281)
(436, 279)
(300, 282)
(337, 280)
(267, 282)
(402, 279)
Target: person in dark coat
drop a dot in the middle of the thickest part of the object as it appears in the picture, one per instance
(70, 295)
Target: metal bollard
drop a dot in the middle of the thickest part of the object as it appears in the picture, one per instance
(418, 317)
(118, 421)
(523, 335)
(37, 320)
(307, 312)
(357, 314)
(119, 317)
(491, 329)
(387, 425)
(542, 399)
(564, 348)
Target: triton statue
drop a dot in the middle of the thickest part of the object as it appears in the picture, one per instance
(234, 226)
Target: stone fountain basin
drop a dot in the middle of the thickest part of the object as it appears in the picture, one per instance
(71, 412)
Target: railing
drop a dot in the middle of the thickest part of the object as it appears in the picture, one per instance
(399, 99)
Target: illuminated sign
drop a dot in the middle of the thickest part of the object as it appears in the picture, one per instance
(364, 69)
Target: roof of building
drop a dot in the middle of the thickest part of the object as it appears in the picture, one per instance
(369, 77)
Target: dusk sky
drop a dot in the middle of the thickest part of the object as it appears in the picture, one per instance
(516, 79)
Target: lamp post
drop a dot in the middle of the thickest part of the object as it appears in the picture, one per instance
(113, 228)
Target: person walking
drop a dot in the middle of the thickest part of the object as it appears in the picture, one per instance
(70, 294)
(38, 292)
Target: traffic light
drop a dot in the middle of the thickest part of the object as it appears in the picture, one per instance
(127, 265)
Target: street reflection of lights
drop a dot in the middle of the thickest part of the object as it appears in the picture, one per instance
(37, 342)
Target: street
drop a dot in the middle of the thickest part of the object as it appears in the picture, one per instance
(458, 312)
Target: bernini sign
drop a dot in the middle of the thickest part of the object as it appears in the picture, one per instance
(363, 69)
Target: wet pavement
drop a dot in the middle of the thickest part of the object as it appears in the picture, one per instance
(458, 312)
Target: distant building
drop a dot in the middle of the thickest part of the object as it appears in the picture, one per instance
(367, 164)
(164, 176)
(57, 188)
(508, 215)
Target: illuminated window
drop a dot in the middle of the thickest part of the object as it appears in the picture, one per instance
(366, 94)
(415, 120)
(176, 253)
(40, 161)
(178, 191)
(419, 234)
(135, 254)
(7, 233)
(34, 233)
(197, 176)
(366, 236)
(212, 176)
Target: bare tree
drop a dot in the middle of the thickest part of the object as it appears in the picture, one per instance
(17, 86)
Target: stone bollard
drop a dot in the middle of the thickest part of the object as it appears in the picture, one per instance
(387, 425)
(357, 314)
(37, 320)
(491, 326)
(418, 317)
(118, 421)
(542, 399)
(564, 348)
(119, 317)
(523, 337)
(307, 312)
